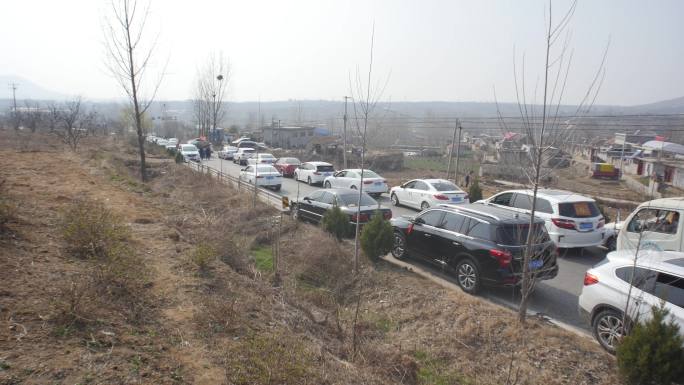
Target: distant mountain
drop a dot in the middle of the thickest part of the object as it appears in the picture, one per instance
(671, 106)
(26, 89)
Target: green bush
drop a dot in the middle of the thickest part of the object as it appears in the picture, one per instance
(203, 255)
(652, 352)
(475, 192)
(337, 223)
(178, 157)
(377, 237)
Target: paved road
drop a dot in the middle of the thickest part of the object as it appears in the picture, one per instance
(556, 298)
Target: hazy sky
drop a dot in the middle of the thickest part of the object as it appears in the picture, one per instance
(290, 49)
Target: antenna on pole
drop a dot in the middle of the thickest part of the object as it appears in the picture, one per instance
(15, 116)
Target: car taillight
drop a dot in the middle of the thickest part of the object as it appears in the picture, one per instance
(367, 181)
(259, 176)
(503, 257)
(316, 173)
(602, 222)
(387, 214)
(441, 197)
(361, 218)
(564, 223)
(466, 197)
(409, 230)
(590, 279)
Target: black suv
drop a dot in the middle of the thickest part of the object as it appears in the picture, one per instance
(481, 245)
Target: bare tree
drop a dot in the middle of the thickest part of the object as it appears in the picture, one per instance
(210, 92)
(70, 126)
(546, 133)
(129, 58)
(32, 116)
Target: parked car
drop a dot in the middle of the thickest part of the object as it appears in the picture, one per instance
(262, 158)
(656, 224)
(657, 277)
(313, 206)
(264, 174)
(190, 152)
(424, 193)
(481, 245)
(247, 144)
(313, 172)
(162, 142)
(572, 220)
(227, 152)
(373, 184)
(171, 147)
(287, 166)
(242, 155)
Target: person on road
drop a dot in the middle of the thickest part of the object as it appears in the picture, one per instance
(208, 152)
(468, 177)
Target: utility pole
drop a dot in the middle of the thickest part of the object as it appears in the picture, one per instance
(622, 155)
(451, 151)
(344, 134)
(458, 152)
(14, 99)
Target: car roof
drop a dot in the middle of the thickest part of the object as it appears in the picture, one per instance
(243, 149)
(317, 163)
(669, 203)
(491, 214)
(357, 169)
(669, 261)
(558, 196)
(341, 191)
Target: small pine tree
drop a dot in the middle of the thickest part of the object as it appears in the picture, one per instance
(377, 237)
(652, 352)
(475, 192)
(179, 157)
(336, 223)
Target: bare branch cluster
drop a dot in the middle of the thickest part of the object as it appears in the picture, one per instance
(210, 92)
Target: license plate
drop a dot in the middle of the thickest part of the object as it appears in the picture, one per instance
(536, 264)
(269, 177)
(456, 199)
(586, 226)
(327, 174)
(378, 183)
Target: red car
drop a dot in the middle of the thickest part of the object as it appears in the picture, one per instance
(287, 166)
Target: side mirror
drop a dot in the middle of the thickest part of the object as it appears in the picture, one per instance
(307, 199)
(417, 221)
(244, 169)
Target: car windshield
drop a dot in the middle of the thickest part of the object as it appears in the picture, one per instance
(516, 235)
(189, 147)
(351, 200)
(445, 186)
(294, 161)
(325, 168)
(247, 149)
(578, 210)
(370, 174)
(266, 169)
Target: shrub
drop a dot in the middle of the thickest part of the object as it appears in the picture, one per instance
(337, 223)
(377, 237)
(203, 255)
(92, 231)
(178, 157)
(652, 353)
(475, 192)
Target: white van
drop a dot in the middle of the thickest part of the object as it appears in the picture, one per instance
(572, 220)
(654, 225)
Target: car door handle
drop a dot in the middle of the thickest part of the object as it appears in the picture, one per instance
(427, 235)
(455, 243)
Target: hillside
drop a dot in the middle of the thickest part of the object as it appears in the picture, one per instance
(106, 280)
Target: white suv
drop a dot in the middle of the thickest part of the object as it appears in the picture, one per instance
(313, 172)
(658, 278)
(572, 220)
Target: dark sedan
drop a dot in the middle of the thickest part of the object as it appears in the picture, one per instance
(313, 206)
(287, 166)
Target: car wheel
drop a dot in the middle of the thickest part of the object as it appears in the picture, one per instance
(468, 276)
(308, 181)
(424, 206)
(327, 185)
(608, 328)
(399, 247)
(277, 188)
(395, 200)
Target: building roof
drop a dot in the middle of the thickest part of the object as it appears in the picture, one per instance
(665, 146)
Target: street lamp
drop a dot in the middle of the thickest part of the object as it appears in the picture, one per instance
(219, 78)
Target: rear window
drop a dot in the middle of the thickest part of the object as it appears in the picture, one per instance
(325, 168)
(290, 161)
(189, 147)
(516, 235)
(445, 186)
(370, 174)
(578, 210)
(351, 200)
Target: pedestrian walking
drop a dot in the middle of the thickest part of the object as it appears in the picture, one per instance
(208, 152)
(468, 178)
